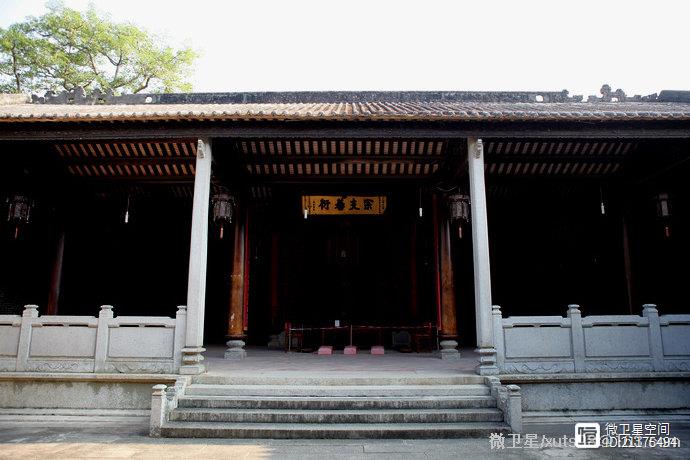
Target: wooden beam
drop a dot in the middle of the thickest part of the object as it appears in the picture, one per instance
(127, 160)
(261, 159)
(528, 158)
(333, 178)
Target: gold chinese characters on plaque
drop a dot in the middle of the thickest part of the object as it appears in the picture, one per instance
(343, 204)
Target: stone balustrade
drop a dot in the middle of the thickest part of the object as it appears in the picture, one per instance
(602, 343)
(103, 344)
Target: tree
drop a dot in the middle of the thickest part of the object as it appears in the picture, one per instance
(65, 49)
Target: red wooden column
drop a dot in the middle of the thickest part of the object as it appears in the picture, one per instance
(414, 306)
(275, 280)
(56, 275)
(445, 284)
(238, 291)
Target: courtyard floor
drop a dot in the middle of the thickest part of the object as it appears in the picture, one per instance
(87, 439)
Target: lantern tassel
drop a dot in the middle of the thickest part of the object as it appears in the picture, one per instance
(127, 211)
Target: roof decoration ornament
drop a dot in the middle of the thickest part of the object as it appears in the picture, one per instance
(619, 96)
(78, 96)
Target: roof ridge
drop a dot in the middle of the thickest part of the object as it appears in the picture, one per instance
(79, 96)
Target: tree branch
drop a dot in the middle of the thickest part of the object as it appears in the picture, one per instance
(14, 68)
(144, 86)
(117, 66)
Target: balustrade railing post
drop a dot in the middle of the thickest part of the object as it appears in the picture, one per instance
(28, 315)
(577, 337)
(179, 341)
(656, 349)
(499, 342)
(102, 336)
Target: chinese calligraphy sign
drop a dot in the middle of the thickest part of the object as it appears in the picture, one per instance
(343, 204)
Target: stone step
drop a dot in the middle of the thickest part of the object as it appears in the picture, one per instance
(337, 390)
(337, 403)
(333, 431)
(336, 416)
(339, 380)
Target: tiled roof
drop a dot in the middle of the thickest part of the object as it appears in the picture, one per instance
(361, 111)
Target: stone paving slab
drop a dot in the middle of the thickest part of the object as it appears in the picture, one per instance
(92, 440)
(270, 362)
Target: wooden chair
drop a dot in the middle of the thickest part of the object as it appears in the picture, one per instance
(423, 340)
(296, 337)
(401, 341)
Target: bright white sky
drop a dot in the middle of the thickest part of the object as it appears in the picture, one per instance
(260, 45)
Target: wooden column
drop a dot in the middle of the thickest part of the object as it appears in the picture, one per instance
(236, 308)
(275, 280)
(56, 275)
(627, 265)
(414, 307)
(445, 286)
(192, 354)
(448, 310)
(480, 252)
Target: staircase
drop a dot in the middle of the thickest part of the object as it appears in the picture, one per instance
(335, 407)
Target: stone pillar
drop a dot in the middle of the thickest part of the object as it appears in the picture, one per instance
(192, 353)
(449, 328)
(158, 410)
(480, 250)
(237, 292)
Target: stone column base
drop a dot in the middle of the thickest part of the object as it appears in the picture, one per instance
(487, 361)
(276, 341)
(192, 358)
(235, 349)
(449, 349)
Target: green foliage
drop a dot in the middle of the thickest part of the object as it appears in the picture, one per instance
(66, 48)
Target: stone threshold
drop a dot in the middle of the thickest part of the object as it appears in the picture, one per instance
(603, 416)
(75, 417)
(90, 377)
(592, 377)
